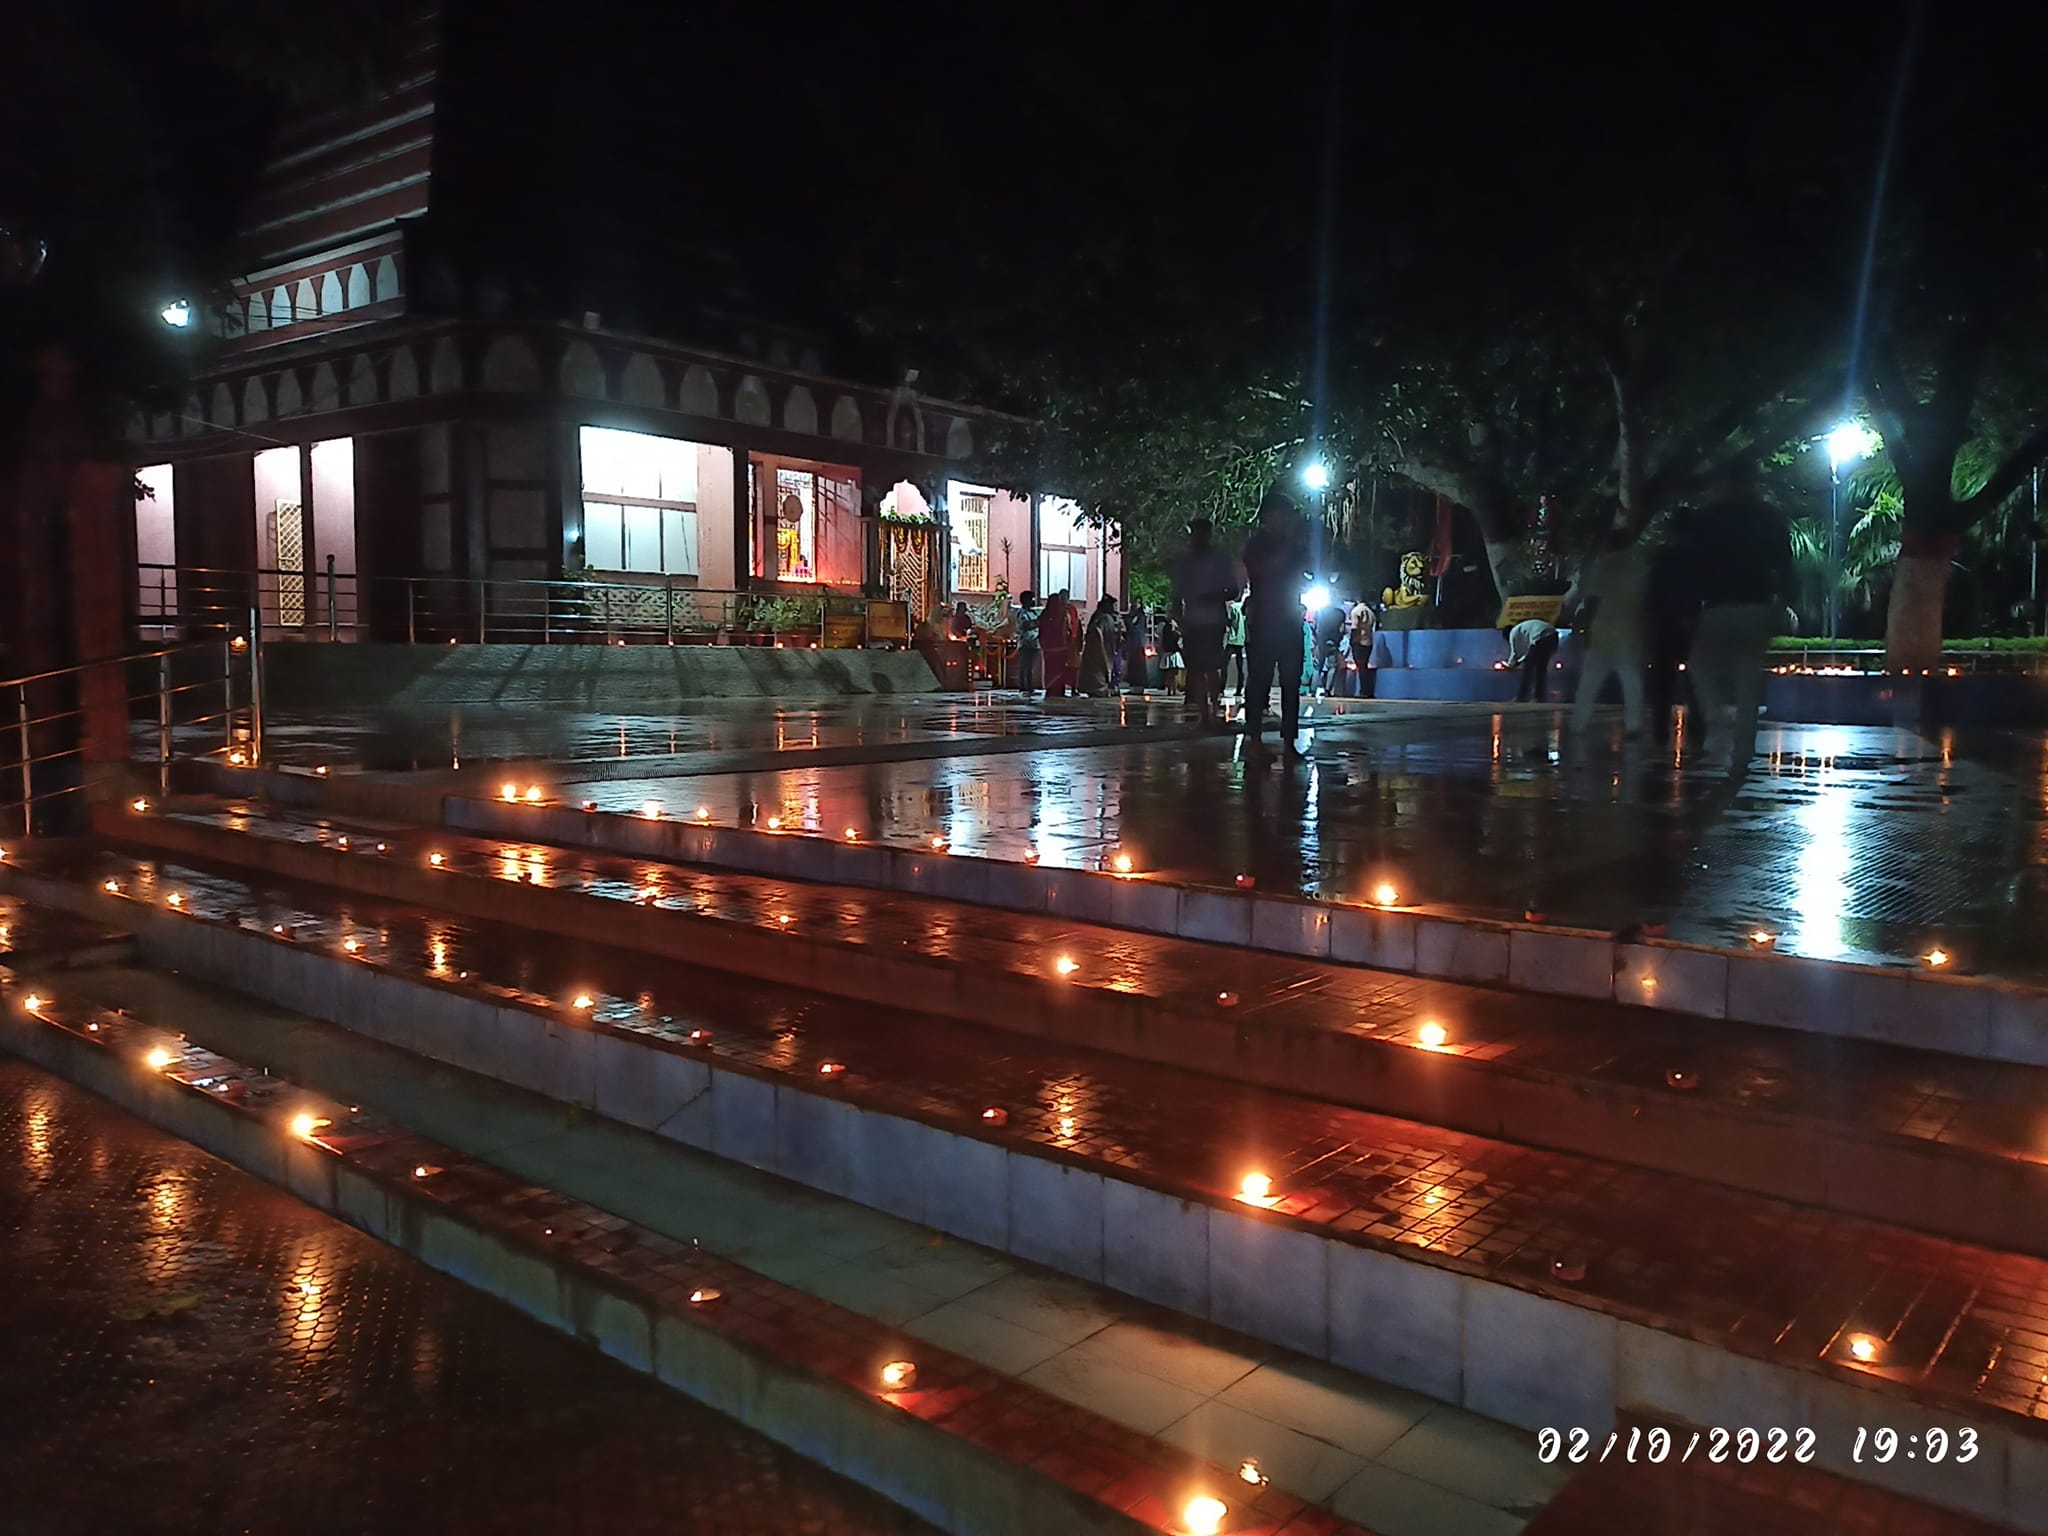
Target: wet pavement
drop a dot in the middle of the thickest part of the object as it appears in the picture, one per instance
(189, 1349)
(1849, 843)
(1990, 1107)
(1745, 1272)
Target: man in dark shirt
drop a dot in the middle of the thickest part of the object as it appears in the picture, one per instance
(1275, 563)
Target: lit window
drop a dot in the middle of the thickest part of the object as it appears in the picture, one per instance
(1063, 549)
(639, 502)
(968, 514)
(807, 521)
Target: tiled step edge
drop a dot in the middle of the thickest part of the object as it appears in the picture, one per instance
(1528, 1356)
(1927, 1009)
(975, 1453)
(1906, 1181)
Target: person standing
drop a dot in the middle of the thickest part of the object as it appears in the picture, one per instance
(1172, 657)
(1618, 590)
(1077, 634)
(1364, 628)
(1100, 648)
(1275, 563)
(1233, 642)
(1030, 672)
(1328, 627)
(1138, 650)
(1052, 641)
(1204, 581)
(1531, 645)
(1743, 572)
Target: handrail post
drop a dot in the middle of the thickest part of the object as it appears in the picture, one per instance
(547, 613)
(333, 620)
(227, 693)
(28, 782)
(482, 603)
(668, 601)
(163, 724)
(411, 634)
(255, 691)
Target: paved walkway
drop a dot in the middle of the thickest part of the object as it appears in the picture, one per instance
(1850, 843)
(189, 1349)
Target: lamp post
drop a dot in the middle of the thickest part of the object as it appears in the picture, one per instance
(1846, 444)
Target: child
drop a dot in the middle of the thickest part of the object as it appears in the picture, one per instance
(1172, 664)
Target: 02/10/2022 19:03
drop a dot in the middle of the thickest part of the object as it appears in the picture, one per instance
(1933, 1446)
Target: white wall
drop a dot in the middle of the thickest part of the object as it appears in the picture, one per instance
(277, 480)
(334, 504)
(156, 543)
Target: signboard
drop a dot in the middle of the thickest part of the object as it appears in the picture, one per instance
(1517, 610)
(888, 622)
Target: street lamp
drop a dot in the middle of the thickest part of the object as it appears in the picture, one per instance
(1316, 476)
(177, 314)
(1848, 443)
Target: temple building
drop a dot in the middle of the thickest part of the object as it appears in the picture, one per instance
(407, 424)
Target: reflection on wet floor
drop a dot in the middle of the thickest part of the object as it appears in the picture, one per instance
(1851, 843)
(205, 1353)
(411, 739)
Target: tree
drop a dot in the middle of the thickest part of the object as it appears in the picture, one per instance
(1956, 383)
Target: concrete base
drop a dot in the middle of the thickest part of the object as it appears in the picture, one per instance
(2001, 700)
(642, 678)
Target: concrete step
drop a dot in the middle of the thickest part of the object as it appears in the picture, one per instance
(1321, 1437)
(1916, 1004)
(1530, 1287)
(1946, 1145)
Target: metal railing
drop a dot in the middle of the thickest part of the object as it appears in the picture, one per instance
(331, 605)
(196, 700)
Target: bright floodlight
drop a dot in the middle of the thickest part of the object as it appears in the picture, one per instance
(1316, 598)
(1850, 442)
(1316, 476)
(178, 314)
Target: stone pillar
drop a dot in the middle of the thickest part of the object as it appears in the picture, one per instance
(742, 521)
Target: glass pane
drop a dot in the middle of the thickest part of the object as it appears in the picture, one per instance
(1056, 520)
(678, 541)
(643, 539)
(604, 537)
(638, 464)
(796, 525)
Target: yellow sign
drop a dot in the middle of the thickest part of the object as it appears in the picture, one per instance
(1517, 610)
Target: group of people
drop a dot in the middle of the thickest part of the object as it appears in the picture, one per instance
(1226, 615)
(1704, 602)
(1700, 605)
(1060, 652)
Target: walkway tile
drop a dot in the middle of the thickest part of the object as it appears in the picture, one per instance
(1146, 1403)
(978, 1335)
(1396, 1504)
(1481, 1459)
(1057, 1309)
(1352, 1412)
(1177, 1356)
(1309, 1468)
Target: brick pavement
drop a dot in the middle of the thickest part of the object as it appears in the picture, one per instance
(1956, 1324)
(1992, 1108)
(189, 1349)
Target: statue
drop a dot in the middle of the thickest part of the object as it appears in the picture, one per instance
(1412, 593)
